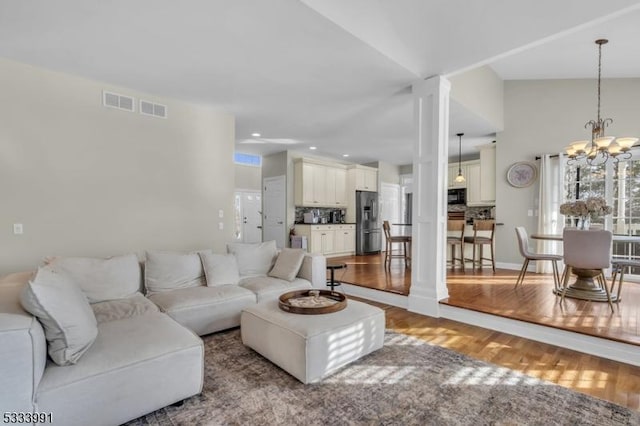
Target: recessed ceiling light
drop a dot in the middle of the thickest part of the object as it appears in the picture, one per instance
(256, 135)
(345, 155)
(312, 147)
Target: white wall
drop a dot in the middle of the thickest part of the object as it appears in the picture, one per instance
(481, 91)
(248, 177)
(387, 172)
(544, 116)
(86, 180)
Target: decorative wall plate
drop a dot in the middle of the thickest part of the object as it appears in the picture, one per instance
(522, 174)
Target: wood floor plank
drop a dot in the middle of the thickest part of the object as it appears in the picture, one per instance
(598, 377)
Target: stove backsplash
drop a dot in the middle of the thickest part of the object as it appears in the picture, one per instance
(471, 213)
(325, 213)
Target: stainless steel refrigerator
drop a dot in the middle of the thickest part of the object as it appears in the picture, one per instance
(367, 226)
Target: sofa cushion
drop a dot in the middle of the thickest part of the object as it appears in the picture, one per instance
(164, 271)
(101, 279)
(287, 264)
(254, 259)
(69, 323)
(269, 288)
(128, 307)
(136, 365)
(205, 310)
(220, 269)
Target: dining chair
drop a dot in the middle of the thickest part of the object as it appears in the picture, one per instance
(619, 265)
(457, 227)
(405, 242)
(523, 245)
(587, 250)
(483, 233)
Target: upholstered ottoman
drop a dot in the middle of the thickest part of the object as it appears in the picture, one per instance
(309, 347)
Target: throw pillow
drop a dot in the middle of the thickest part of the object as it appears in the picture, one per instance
(254, 259)
(69, 323)
(220, 269)
(165, 271)
(114, 278)
(288, 264)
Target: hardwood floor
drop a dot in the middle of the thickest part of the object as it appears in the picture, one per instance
(534, 302)
(369, 271)
(609, 380)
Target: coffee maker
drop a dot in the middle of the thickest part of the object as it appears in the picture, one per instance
(337, 216)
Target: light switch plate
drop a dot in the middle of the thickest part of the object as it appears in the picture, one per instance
(220, 213)
(220, 226)
(17, 229)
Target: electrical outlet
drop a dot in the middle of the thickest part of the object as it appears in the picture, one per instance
(530, 213)
(17, 229)
(221, 226)
(220, 213)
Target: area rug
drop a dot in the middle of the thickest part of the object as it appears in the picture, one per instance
(407, 382)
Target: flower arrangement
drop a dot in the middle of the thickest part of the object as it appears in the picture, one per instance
(586, 210)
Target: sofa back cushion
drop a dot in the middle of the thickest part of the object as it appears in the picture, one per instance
(220, 269)
(254, 259)
(165, 271)
(63, 310)
(288, 264)
(114, 278)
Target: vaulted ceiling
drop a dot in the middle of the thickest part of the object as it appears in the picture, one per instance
(335, 74)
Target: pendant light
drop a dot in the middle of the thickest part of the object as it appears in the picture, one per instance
(600, 148)
(459, 178)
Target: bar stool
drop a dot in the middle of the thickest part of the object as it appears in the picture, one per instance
(332, 267)
(480, 240)
(456, 240)
(405, 240)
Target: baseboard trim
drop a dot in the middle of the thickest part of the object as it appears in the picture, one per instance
(380, 296)
(516, 266)
(603, 348)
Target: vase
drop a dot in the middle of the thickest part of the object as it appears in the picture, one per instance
(584, 223)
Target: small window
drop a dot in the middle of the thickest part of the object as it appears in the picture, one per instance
(247, 159)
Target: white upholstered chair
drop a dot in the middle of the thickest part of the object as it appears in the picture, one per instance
(523, 245)
(587, 250)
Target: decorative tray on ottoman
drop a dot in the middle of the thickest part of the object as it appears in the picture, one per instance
(312, 302)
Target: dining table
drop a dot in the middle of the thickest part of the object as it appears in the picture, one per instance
(584, 287)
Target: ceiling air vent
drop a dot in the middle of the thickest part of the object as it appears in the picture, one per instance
(156, 110)
(115, 100)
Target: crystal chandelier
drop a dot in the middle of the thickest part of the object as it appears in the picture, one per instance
(459, 178)
(600, 148)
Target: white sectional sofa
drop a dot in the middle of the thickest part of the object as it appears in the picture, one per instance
(145, 353)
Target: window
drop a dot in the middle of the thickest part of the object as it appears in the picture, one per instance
(619, 184)
(247, 159)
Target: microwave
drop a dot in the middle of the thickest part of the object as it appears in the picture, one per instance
(457, 196)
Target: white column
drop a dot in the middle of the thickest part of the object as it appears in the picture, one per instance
(430, 169)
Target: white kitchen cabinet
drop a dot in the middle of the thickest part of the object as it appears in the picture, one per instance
(345, 239)
(319, 185)
(329, 240)
(341, 188)
(473, 184)
(323, 240)
(488, 173)
(364, 178)
(335, 187)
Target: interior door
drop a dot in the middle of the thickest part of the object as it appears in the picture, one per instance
(249, 216)
(274, 210)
